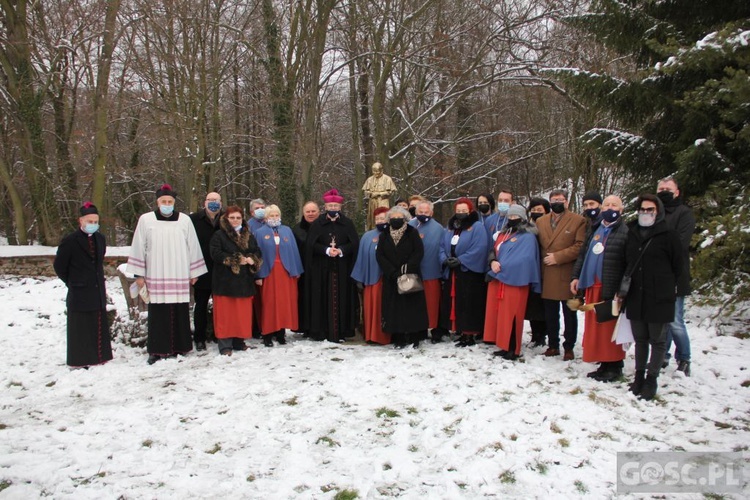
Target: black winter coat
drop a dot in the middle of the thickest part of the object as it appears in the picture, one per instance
(401, 313)
(653, 287)
(227, 247)
(681, 219)
(613, 266)
(300, 234)
(82, 272)
(205, 229)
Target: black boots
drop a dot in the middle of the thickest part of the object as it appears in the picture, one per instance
(637, 386)
(466, 341)
(280, 337)
(268, 340)
(649, 388)
(684, 367)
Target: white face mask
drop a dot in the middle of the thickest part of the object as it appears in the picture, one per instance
(646, 220)
(273, 222)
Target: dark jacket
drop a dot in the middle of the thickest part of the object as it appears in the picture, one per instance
(681, 219)
(82, 272)
(401, 313)
(613, 266)
(300, 234)
(205, 229)
(227, 247)
(652, 293)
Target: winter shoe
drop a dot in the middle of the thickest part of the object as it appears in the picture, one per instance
(200, 346)
(226, 352)
(500, 353)
(510, 356)
(466, 341)
(649, 388)
(552, 352)
(637, 386)
(598, 372)
(569, 356)
(268, 340)
(281, 337)
(153, 358)
(684, 367)
(609, 375)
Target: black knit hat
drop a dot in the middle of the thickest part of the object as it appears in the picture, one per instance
(593, 195)
(88, 208)
(166, 190)
(534, 202)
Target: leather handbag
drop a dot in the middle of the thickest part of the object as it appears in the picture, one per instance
(408, 282)
(627, 278)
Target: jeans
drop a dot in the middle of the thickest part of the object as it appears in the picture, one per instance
(552, 318)
(677, 331)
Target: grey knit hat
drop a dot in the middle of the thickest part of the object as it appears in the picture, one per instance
(519, 211)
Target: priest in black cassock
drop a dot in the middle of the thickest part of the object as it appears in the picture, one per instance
(330, 312)
(80, 264)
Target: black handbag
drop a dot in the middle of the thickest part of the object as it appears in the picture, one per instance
(408, 282)
(627, 277)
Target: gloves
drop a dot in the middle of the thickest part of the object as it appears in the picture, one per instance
(452, 262)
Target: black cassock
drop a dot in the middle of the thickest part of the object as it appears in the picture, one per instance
(330, 308)
(80, 264)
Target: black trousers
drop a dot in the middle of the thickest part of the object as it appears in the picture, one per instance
(200, 313)
(552, 318)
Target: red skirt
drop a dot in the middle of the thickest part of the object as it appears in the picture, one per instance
(373, 302)
(279, 297)
(506, 308)
(233, 317)
(597, 337)
(432, 296)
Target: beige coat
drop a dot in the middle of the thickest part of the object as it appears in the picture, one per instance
(564, 242)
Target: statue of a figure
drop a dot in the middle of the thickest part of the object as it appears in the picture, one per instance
(378, 188)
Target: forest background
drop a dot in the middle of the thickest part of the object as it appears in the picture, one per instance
(104, 100)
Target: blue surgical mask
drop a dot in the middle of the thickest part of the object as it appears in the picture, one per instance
(166, 210)
(259, 213)
(90, 228)
(503, 207)
(609, 216)
(423, 218)
(273, 222)
(213, 206)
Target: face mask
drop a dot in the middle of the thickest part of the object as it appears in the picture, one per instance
(666, 197)
(259, 213)
(610, 215)
(413, 211)
(462, 216)
(382, 227)
(535, 215)
(332, 214)
(423, 218)
(90, 228)
(238, 227)
(592, 213)
(213, 206)
(397, 223)
(646, 220)
(503, 207)
(273, 222)
(166, 210)
(558, 207)
(483, 207)
(513, 223)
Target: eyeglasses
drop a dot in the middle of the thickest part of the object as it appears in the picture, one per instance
(234, 217)
(649, 210)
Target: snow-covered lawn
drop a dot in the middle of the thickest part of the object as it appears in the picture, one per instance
(311, 420)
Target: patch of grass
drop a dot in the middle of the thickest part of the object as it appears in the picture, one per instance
(740, 448)
(337, 359)
(555, 428)
(62, 429)
(3, 427)
(386, 412)
(222, 412)
(514, 437)
(564, 443)
(50, 384)
(14, 383)
(291, 401)
(87, 480)
(411, 410)
(741, 335)
(540, 467)
(301, 488)
(448, 408)
(580, 487)
(216, 449)
(168, 383)
(450, 430)
(387, 466)
(722, 425)
(327, 487)
(507, 477)
(746, 383)
(5, 483)
(328, 441)
(602, 435)
(413, 448)
(250, 478)
(346, 495)
(147, 443)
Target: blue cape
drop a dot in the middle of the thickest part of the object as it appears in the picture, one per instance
(493, 224)
(471, 249)
(255, 224)
(593, 263)
(519, 262)
(432, 235)
(287, 250)
(366, 269)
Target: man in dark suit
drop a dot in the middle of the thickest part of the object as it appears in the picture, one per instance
(80, 264)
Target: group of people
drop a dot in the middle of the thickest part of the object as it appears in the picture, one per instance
(493, 265)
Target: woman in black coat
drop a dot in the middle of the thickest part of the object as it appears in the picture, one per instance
(653, 259)
(236, 259)
(404, 316)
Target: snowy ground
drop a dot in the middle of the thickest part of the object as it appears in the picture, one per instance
(312, 420)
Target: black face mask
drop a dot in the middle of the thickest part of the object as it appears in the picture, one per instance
(462, 216)
(484, 208)
(382, 227)
(610, 216)
(513, 223)
(535, 215)
(459, 220)
(666, 197)
(413, 211)
(592, 213)
(397, 223)
(558, 207)
(423, 218)
(332, 214)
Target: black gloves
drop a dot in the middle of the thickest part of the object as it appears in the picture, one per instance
(452, 262)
